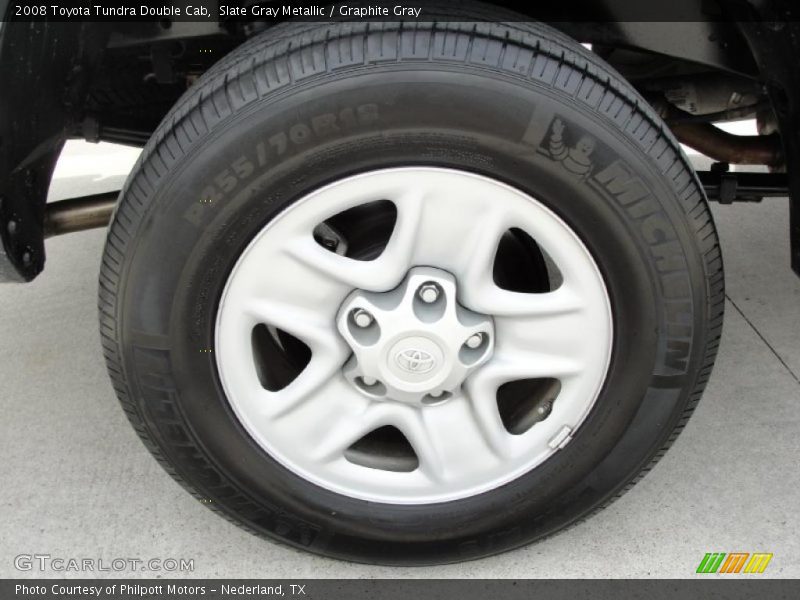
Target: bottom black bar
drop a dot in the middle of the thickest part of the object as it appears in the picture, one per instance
(715, 587)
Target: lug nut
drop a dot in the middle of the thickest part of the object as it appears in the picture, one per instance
(429, 293)
(474, 340)
(362, 318)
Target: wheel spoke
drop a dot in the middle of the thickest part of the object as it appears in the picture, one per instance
(380, 274)
(555, 342)
(552, 341)
(320, 377)
(461, 234)
(557, 346)
(343, 429)
(302, 323)
(319, 415)
(493, 300)
(448, 440)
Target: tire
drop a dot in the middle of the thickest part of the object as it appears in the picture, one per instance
(305, 106)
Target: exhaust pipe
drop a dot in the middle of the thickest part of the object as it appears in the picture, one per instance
(79, 214)
(720, 145)
(729, 148)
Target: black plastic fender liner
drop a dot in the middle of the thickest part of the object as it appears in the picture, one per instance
(44, 71)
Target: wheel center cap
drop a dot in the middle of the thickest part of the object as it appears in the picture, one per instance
(415, 358)
(413, 344)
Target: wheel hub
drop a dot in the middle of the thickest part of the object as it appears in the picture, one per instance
(415, 344)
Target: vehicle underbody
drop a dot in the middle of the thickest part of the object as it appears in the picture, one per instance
(115, 82)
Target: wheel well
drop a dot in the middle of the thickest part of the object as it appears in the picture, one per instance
(116, 81)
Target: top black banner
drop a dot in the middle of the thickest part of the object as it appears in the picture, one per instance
(224, 11)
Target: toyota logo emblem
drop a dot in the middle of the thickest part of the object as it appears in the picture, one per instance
(412, 360)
